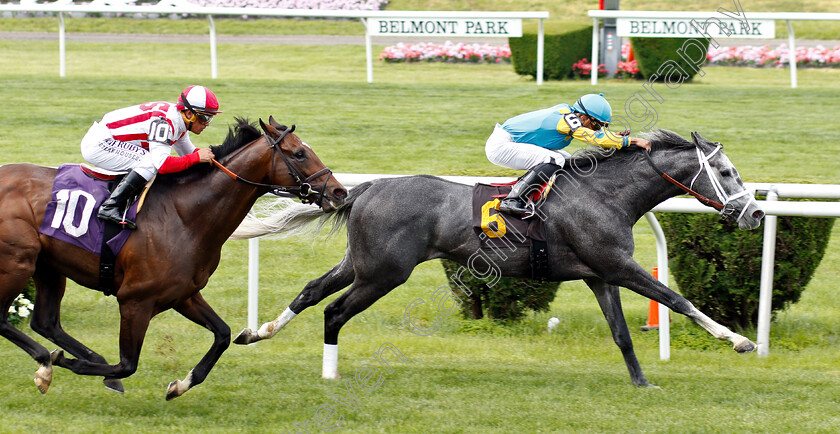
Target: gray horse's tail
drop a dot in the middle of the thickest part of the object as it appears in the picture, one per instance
(281, 217)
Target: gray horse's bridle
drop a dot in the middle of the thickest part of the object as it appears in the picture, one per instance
(724, 200)
(717, 186)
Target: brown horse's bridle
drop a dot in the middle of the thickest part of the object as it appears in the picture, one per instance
(302, 190)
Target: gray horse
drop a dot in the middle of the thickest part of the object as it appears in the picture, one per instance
(394, 224)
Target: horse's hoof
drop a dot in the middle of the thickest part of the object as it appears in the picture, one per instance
(179, 387)
(114, 384)
(43, 378)
(245, 337)
(745, 346)
(647, 384)
(172, 391)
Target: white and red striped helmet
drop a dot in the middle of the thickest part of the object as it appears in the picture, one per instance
(198, 99)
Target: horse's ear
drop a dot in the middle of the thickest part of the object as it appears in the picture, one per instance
(268, 128)
(699, 140)
(275, 124)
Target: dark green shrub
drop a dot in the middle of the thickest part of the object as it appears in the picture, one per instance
(653, 53)
(508, 299)
(565, 44)
(718, 267)
(21, 308)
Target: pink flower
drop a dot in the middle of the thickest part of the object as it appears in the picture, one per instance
(448, 52)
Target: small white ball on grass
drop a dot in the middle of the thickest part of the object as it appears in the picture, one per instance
(552, 323)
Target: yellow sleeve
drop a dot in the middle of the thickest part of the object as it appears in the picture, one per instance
(600, 138)
(570, 125)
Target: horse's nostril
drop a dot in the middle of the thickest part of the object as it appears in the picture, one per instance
(340, 193)
(758, 214)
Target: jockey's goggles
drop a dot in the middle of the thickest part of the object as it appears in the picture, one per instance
(598, 124)
(204, 118)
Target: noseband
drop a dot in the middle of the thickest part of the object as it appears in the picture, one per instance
(724, 200)
(302, 190)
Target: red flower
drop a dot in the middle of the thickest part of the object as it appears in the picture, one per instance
(583, 68)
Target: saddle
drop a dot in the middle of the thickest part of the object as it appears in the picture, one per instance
(497, 231)
(113, 178)
(78, 191)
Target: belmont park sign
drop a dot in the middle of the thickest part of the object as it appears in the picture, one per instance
(444, 27)
(687, 28)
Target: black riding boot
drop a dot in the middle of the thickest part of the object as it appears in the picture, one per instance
(515, 201)
(112, 208)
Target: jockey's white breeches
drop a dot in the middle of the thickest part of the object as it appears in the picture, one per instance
(102, 150)
(503, 151)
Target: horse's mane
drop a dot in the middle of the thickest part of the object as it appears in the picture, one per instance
(239, 135)
(659, 139)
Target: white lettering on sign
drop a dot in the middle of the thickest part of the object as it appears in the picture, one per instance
(683, 28)
(509, 28)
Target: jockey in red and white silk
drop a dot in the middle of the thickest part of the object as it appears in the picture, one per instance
(140, 139)
(121, 140)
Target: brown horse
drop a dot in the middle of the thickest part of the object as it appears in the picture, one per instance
(185, 219)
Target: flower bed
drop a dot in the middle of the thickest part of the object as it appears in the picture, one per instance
(815, 57)
(448, 52)
(624, 69)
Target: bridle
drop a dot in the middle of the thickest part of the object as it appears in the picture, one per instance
(302, 190)
(723, 204)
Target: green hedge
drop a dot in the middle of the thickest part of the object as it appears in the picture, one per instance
(718, 267)
(651, 53)
(565, 44)
(507, 300)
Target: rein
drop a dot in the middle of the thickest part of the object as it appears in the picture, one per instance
(302, 190)
(703, 199)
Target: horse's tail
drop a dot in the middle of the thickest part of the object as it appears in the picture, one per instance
(283, 218)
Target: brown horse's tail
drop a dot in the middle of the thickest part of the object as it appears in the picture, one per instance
(282, 217)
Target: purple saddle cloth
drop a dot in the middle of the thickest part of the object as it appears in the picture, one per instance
(71, 214)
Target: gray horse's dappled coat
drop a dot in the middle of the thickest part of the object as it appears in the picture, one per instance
(393, 224)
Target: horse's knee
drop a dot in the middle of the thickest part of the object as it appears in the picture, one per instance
(40, 326)
(43, 324)
(623, 340)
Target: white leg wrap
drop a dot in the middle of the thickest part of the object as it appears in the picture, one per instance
(330, 368)
(270, 329)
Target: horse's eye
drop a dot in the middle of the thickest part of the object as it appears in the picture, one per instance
(300, 154)
(726, 173)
